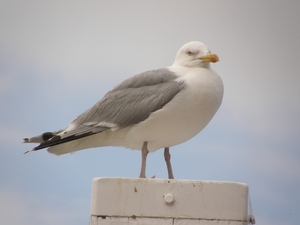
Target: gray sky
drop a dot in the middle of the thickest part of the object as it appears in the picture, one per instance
(57, 58)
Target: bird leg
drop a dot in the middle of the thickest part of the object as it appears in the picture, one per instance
(145, 152)
(168, 162)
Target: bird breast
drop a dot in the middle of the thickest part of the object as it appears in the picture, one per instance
(184, 116)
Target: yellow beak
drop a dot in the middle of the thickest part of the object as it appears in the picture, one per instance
(210, 58)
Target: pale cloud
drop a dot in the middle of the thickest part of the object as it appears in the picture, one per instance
(267, 162)
(13, 209)
(262, 96)
(270, 195)
(10, 135)
(273, 162)
(46, 38)
(19, 207)
(270, 221)
(7, 82)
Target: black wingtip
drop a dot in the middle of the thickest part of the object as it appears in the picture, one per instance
(29, 151)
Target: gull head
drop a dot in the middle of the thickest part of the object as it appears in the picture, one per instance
(195, 54)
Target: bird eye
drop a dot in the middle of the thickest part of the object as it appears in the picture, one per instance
(190, 53)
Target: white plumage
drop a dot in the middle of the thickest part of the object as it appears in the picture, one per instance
(153, 110)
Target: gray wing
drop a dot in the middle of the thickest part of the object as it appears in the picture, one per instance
(133, 100)
(127, 104)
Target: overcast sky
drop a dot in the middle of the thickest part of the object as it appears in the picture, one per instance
(57, 58)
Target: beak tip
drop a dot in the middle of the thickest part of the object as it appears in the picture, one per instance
(215, 58)
(210, 58)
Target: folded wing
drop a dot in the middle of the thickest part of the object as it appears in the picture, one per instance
(129, 103)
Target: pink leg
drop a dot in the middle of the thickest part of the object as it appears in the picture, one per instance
(168, 162)
(144, 157)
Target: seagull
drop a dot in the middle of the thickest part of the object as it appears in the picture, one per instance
(149, 111)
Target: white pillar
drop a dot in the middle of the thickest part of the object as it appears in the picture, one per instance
(128, 201)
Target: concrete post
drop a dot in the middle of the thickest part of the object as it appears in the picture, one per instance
(129, 201)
